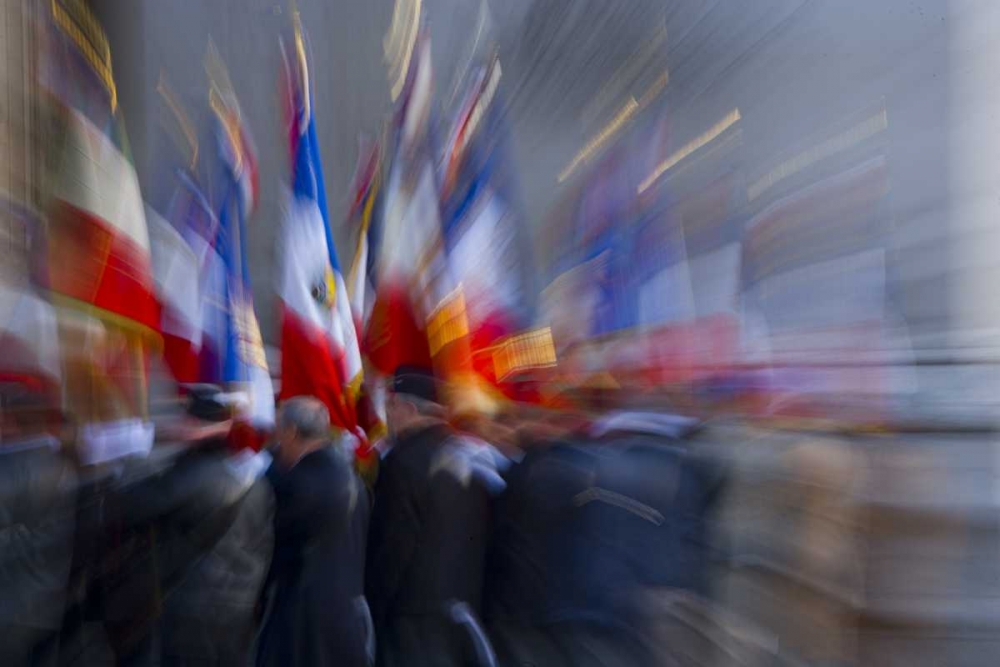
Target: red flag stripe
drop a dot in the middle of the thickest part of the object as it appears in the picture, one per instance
(310, 366)
(94, 262)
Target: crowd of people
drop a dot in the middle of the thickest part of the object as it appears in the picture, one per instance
(526, 537)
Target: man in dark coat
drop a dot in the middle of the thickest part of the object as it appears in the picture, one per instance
(37, 492)
(587, 525)
(426, 548)
(316, 612)
(529, 591)
(209, 615)
(190, 599)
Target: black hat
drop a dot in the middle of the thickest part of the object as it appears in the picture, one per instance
(415, 381)
(204, 403)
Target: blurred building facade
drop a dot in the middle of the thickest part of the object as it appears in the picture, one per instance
(19, 145)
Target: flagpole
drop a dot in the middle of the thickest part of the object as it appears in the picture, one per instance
(239, 317)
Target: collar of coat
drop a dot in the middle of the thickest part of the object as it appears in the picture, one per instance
(650, 423)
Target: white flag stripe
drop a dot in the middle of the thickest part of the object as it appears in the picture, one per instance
(175, 272)
(96, 177)
(359, 277)
(347, 332)
(33, 322)
(304, 284)
(261, 413)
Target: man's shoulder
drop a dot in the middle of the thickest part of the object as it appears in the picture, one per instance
(322, 463)
(329, 474)
(409, 456)
(322, 479)
(412, 456)
(419, 443)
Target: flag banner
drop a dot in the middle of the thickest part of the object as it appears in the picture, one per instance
(243, 362)
(482, 263)
(100, 267)
(320, 355)
(175, 235)
(410, 230)
(482, 221)
(364, 215)
(98, 228)
(97, 221)
(419, 318)
(75, 68)
(200, 228)
(524, 352)
(176, 274)
(29, 336)
(394, 337)
(29, 332)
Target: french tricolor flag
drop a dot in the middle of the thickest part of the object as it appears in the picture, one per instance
(319, 345)
(176, 273)
(407, 231)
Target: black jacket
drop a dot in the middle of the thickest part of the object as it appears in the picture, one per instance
(209, 613)
(427, 548)
(527, 581)
(641, 523)
(188, 550)
(37, 495)
(316, 610)
(582, 526)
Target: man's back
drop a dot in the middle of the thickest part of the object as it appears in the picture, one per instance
(583, 529)
(426, 548)
(527, 582)
(37, 490)
(209, 614)
(317, 613)
(201, 543)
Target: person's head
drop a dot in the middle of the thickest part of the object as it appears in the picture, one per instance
(205, 403)
(412, 401)
(207, 419)
(405, 412)
(303, 426)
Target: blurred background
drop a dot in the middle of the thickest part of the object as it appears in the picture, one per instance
(777, 216)
(776, 98)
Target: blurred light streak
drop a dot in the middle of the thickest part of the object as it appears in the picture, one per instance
(230, 121)
(303, 69)
(399, 42)
(483, 19)
(623, 75)
(482, 104)
(654, 90)
(625, 114)
(687, 149)
(601, 138)
(839, 143)
(218, 73)
(89, 37)
(222, 96)
(168, 95)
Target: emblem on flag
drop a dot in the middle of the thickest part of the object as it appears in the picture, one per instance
(319, 347)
